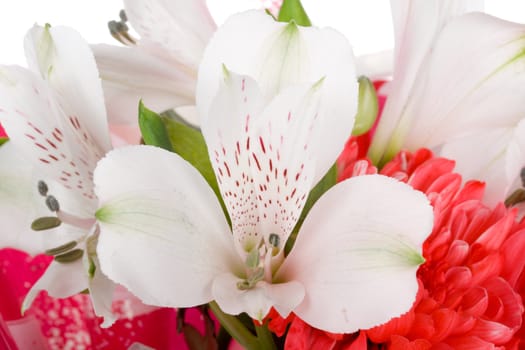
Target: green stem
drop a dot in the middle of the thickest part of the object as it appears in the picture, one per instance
(265, 338)
(235, 328)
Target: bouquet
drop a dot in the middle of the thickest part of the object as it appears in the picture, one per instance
(257, 186)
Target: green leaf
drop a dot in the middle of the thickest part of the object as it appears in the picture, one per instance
(3, 140)
(367, 108)
(292, 10)
(189, 143)
(153, 129)
(327, 182)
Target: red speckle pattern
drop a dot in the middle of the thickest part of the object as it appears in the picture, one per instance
(60, 146)
(263, 188)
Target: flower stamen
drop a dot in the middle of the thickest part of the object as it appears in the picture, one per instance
(70, 256)
(61, 249)
(52, 203)
(42, 188)
(45, 223)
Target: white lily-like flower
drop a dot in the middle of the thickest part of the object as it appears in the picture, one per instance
(458, 88)
(55, 116)
(272, 132)
(161, 67)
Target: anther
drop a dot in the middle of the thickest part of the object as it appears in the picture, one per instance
(42, 188)
(45, 223)
(274, 240)
(71, 256)
(52, 203)
(119, 30)
(123, 16)
(516, 197)
(61, 249)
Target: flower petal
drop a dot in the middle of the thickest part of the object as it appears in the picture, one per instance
(163, 234)
(131, 74)
(55, 283)
(280, 55)
(494, 156)
(17, 203)
(59, 148)
(65, 61)
(264, 159)
(258, 301)
(101, 290)
(456, 102)
(417, 23)
(181, 27)
(357, 254)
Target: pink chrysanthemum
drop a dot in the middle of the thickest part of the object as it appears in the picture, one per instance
(472, 283)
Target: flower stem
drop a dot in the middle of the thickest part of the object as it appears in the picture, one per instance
(265, 337)
(235, 328)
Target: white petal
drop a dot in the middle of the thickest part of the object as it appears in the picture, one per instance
(264, 159)
(17, 203)
(181, 27)
(279, 55)
(64, 59)
(60, 281)
(21, 203)
(257, 301)
(467, 94)
(101, 290)
(163, 233)
(131, 74)
(417, 23)
(357, 254)
(494, 156)
(59, 148)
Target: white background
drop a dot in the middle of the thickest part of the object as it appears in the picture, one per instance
(365, 22)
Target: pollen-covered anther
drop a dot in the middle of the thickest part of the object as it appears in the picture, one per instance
(275, 241)
(42, 188)
(52, 203)
(71, 256)
(45, 223)
(518, 196)
(64, 248)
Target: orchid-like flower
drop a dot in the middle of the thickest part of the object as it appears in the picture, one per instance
(55, 116)
(458, 87)
(272, 132)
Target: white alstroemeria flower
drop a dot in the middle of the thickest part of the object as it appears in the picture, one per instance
(161, 67)
(55, 116)
(458, 88)
(270, 139)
